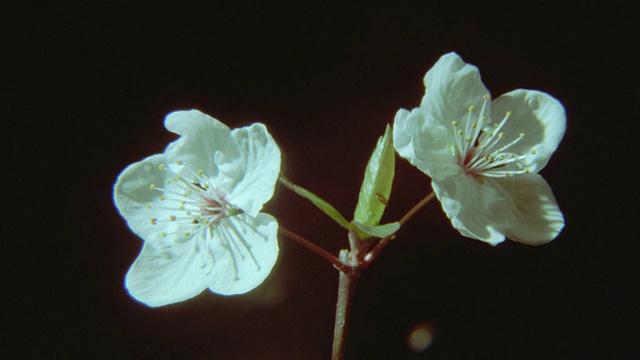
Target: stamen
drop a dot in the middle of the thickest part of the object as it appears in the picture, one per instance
(487, 158)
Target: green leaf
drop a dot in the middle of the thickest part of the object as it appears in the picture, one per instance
(378, 179)
(379, 231)
(317, 201)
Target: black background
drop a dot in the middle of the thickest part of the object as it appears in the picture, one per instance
(87, 87)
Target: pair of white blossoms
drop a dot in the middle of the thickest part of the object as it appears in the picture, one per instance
(197, 205)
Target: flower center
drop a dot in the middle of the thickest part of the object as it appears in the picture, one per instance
(483, 149)
(195, 203)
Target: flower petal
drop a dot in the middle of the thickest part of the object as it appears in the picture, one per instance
(133, 197)
(166, 272)
(533, 214)
(259, 170)
(245, 251)
(452, 86)
(425, 143)
(539, 116)
(474, 207)
(204, 144)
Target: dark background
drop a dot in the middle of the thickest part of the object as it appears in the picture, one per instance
(87, 87)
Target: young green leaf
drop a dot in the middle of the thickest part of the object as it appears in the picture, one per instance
(378, 179)
(379, 231)
(322, 204)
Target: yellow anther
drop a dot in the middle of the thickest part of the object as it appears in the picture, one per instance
(483, 118)
(148, 206)
(205, 221)
(153, 221)
(522, 135)
(454, 123)
(162, 198)
(188, 213)
(200, 172)
(474, 125)
(205, 186)
(527, 170)
(459, 132)
(471, 108)
(179, 162)
(152, 187)
(172, 217)
(160, 166)
(186, 234)
(500, 135)
(508, 113)
(534, 151)
(163, 234)
(509, 175)
(486, 97)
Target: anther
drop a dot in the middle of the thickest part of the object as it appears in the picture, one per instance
(152, 187)
(160, 166)
(179, 162)
(454, 123)
(471, 108)
(154, 221)
(172, 217)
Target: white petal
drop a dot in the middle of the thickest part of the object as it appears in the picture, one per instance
(245, 250)
(260, 168)
(536, 114)
(534, 216)
(132, 195)
(167, 271)
(452, 86)
(205, 144)
(425, 143)
(475, 209)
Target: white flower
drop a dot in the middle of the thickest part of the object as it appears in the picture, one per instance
(197, 206)
(483, 156)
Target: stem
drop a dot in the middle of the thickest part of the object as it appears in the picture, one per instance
(376, 250)
(347, 284)
(313, 247)
(417, 207)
